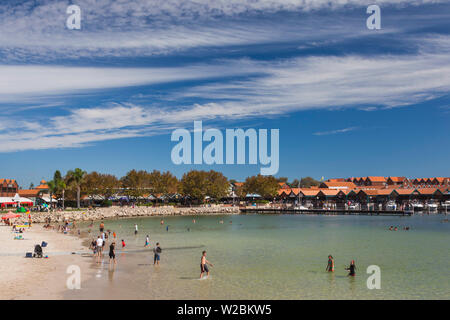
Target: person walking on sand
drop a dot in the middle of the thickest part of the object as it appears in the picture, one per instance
(330, 265)
(204, 265)
(112, 253)
(157, 257)
(147, 241)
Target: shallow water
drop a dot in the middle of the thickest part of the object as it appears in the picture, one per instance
(275, 257)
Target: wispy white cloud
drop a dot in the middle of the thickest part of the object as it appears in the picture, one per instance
(32, 82)
(325, 133)
(284, 87)
(36, 30)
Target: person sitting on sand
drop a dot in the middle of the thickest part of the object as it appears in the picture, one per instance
(204, 265)
(330, 265)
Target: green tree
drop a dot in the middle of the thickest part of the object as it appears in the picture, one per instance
(266, 186)
(199, 184)
(308, 182)
(52, 188)
(218, 185)
(164, 183)
(75, 179)
(135, 183)
(194, 184)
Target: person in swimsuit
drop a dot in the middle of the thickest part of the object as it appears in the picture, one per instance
(102, 227)
(351, 269)
(135, 229)
(112, 253)
(157, 251)
(330, 265)
(147, 241)
(123, 244)
(204, 265)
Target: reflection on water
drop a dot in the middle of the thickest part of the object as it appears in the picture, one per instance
(276, 257)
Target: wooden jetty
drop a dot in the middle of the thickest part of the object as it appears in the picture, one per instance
(325, 211)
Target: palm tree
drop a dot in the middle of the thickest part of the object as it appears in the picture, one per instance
(76, 178)
(53, 188)
(60, 185)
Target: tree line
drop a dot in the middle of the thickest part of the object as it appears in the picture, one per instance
(196, 185)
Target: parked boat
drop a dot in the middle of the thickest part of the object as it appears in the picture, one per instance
(391, 205)
(431, 206)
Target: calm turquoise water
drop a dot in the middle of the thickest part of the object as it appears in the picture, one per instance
(277, 257)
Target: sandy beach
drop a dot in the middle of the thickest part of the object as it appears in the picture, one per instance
(33, 278)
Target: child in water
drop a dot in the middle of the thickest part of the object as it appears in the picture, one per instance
(123, 244)
(351, 269)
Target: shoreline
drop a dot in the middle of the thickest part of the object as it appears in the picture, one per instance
(127, 212)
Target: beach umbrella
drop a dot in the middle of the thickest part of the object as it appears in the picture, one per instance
(10, 216)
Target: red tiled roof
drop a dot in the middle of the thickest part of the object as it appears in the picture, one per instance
(29, 192)
(376, 179)
(342, 184)
(329, 192)
(427, 190)
(398, 179)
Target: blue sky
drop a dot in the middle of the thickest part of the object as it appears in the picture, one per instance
(348, 101)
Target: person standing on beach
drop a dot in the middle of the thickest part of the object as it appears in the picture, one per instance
(102, 226)
(99, 247)
(112, 253)
(147, 241)
(135, 229)
(351, 269)
(157, 251)
(204, 265)
(330, 265)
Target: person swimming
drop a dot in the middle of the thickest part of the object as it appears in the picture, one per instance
(351, 269)
(330, 265)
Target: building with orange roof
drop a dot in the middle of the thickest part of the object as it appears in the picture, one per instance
(8, 187)
(375, 181)
(42, 186)
(337, 185)
(394, 181)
